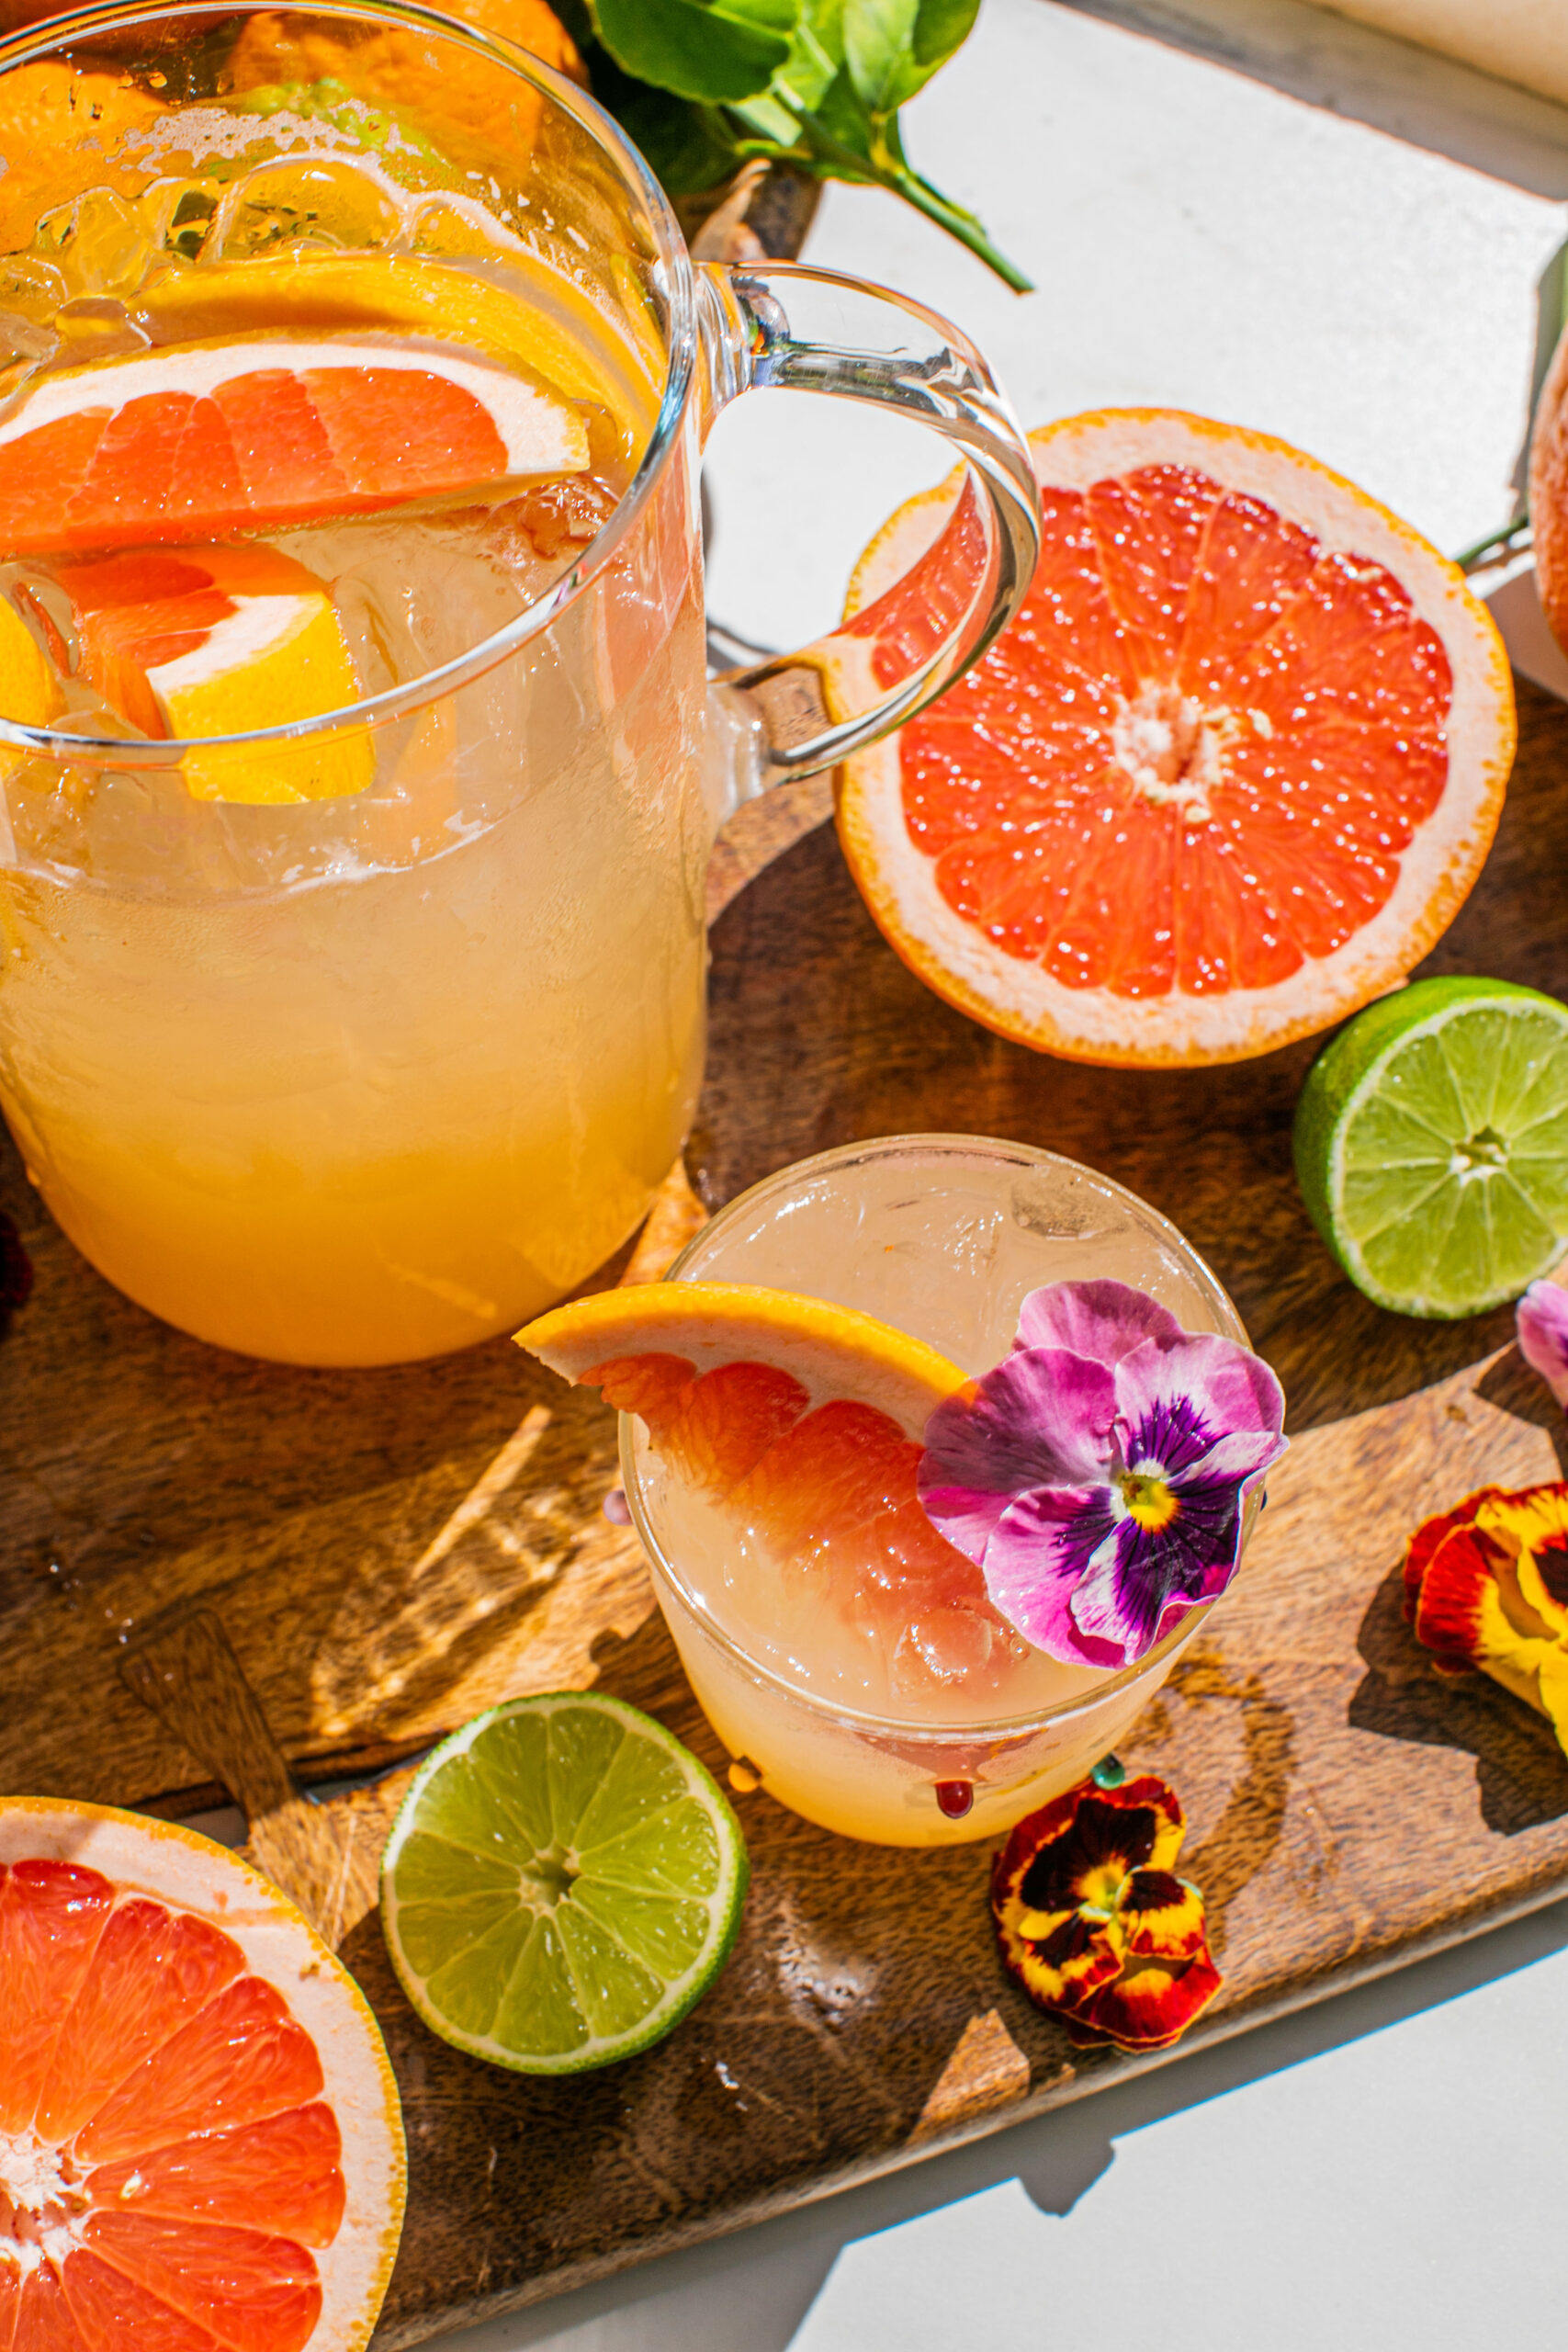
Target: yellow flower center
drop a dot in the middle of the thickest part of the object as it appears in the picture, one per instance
(1148, 1500)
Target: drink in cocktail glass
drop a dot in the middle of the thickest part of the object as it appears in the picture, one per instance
(358, 762)
(902, 1730)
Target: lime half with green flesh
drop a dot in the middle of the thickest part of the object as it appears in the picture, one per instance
(1431, 1145)
(563, 1880)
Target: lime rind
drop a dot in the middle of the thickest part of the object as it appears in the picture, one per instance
(563, 1882)
(1431, 1145)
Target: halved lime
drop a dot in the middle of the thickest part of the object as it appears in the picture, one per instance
(1432, 1145)
(563, 1880)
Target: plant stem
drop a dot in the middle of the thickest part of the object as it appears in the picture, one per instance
(899, 180)
(1496, 547)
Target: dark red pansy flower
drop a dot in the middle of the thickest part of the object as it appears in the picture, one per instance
(1093, 1922)
(16, 1269)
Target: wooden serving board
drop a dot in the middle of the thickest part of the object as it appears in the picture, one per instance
(360, 1561)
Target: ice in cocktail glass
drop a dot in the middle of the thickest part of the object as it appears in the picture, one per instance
(358, 763)
(850, 1720)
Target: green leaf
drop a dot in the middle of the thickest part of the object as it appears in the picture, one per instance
(893, 46)
(712, 54)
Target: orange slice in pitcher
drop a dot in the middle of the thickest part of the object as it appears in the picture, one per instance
(200, 2141)
(801, 1420)
(1228, 775)
(217, 641)
(202, 440)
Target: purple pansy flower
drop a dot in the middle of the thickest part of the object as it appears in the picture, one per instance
(1541, 1321)
(1099, 1473)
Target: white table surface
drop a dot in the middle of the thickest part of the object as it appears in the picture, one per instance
(1341, 239)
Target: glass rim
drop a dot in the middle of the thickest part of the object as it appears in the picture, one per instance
(859, 1719)
(51, 35)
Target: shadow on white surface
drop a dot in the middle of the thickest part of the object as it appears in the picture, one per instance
(956, 2254)
(1532, 649)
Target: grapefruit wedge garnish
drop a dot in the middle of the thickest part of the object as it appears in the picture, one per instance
(199, 642)
(200, 2141)
(199, 441)
(803, 1422)
(1228, 775)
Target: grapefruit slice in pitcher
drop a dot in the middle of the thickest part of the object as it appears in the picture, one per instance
(204, 439)
(802, 1422)
(200, 2141)
(1228, 775)
(201, 641)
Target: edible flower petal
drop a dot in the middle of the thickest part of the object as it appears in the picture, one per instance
(1486, 1589)
(1541, 1320)
(1099, 1475)
(1093, 1921)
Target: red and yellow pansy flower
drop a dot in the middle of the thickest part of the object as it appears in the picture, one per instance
(1093, 1921)
(1486, 1590)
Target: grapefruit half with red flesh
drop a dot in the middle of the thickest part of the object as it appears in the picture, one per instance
(1228, 775)
(200, 2142)
(203, 440)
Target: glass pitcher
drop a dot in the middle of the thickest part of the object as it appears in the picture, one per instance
(360, 1037)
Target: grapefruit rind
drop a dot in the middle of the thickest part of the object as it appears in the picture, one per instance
(1346, 1077)
(1021, 1001)
(832, 1350)
(726, 1904)
(176, 1866)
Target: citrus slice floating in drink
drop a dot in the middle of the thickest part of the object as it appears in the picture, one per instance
(217, 641)
(1228, 777)
(202, 440)
(802, 1422)
(200, 2141)
(562, 1883)
(321, 293)
(1431, 1145)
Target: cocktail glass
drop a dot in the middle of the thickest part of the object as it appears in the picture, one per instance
(942, 1237)
(368, 1078)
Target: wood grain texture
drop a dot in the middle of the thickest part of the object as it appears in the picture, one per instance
(387, 1552)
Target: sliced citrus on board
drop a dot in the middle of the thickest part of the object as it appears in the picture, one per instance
(1431, 1145)
(217, 641)
(803, 1422)
(562, 1883)
(1228, 777)
(201, 440)
(201, 2139)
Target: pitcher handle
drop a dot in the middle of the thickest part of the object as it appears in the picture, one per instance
(783, 327)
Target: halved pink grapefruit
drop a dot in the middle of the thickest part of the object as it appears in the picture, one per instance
(200, 2140)
(1228, 775)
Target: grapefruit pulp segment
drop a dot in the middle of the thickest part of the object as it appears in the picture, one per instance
(255, 2292)
(110, 2311)
(153, 1969)
(714, 1428)
(282, 2176)
(52, 1915)
(1227, 774)
(241, 2058)
(194, 442)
